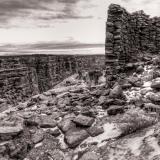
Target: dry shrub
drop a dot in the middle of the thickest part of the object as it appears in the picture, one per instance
(135, 120)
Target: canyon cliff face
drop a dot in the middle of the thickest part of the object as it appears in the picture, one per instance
(27, 75)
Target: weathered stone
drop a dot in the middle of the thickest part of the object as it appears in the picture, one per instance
(83, 121)
(133, 80)
(95, 131)
(108, 102)
(102, 100)
(19, 146)
(3, 149)
(47, 122)
(3, 158)
(54, 132)
(66, 124)
(75, 136)
(89, 111)
(140, 69)
(116, 92)
(155, 84)
(113, 110)
(156, 60)
(9, 129)
(130, 66)
(38, 136)
(57, 155)
(32, 120)
(90, 156)
(126, 86)
(49, 145)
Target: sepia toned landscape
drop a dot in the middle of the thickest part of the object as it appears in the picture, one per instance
(80, 101)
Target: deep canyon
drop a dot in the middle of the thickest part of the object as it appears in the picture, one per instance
(26, 75)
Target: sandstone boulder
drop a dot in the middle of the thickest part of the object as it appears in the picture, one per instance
(126, 86)
(54, 132)
(66, 124)
(139, 69)
(10, 127)
(47, 122)
(156, 84)
(156, 60)
(44, 149)
(90, 156)
(83, 121)
(129, 66)
(75, 136)
(6, 132)
(113, 110)
(37, 136)
(95, 131)
(133, 80)
(116, 92)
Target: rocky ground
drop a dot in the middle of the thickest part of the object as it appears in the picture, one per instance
(75, 122)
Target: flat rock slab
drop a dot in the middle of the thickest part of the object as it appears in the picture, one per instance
(54, 132)
(66, 124)
(83, 121)
(10, 126)
(95, 131)
(90, 156)
(8, 132)
(155, 84)
(75, 136)
(11, 131)
(47, 122)
(47, 146)
(114, 109)
(38, 136)
(116, 92)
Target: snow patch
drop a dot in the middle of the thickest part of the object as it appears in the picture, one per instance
(63, 145)
(101, 112)
(152, 141)
(147, 84)
(134, 144)
(110, 131)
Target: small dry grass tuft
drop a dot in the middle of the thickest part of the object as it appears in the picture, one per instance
(134, 120)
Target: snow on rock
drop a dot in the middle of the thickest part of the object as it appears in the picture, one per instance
(147, 84)
(101, 112)
(134, 144)
(152, 141)
(110, 131)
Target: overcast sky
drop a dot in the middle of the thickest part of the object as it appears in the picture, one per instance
(59, 21)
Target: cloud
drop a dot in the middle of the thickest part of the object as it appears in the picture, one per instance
(38, 10)
(57, 20)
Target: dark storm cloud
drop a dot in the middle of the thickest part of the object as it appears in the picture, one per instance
(10, 9)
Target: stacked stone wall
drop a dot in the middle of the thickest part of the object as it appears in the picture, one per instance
(128, 35)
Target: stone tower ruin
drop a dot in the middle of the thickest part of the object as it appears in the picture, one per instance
(129, 35)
